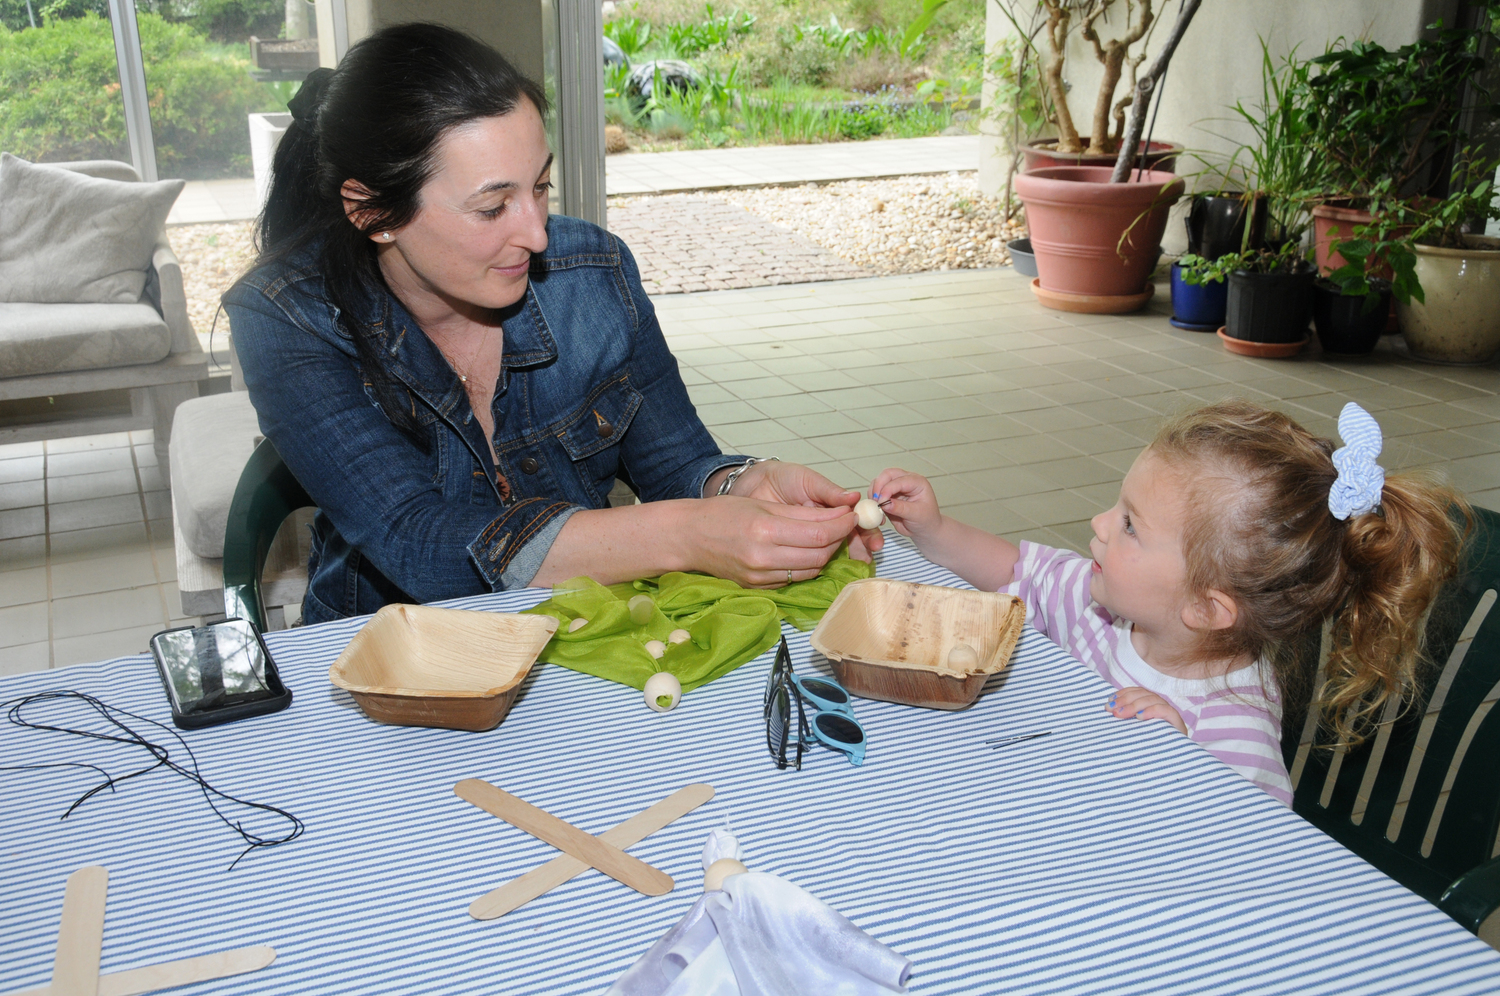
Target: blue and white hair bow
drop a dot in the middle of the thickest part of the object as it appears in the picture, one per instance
(1357, 488)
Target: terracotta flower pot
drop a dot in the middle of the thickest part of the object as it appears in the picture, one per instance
(1161, 157)
(1327, 218)
(1460, 320)
(1093, 238)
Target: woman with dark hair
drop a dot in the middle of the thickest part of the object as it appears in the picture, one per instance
(458, 379)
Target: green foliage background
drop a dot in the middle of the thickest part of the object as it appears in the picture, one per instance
(60, 99)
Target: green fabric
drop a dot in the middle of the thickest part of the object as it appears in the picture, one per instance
(729, 625)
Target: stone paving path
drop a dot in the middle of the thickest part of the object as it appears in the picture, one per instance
(766, 165)
(696, 169)
(684, 243)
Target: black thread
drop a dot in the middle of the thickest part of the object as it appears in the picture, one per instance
(13, 714)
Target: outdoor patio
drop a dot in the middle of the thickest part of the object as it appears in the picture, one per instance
(1026, 419)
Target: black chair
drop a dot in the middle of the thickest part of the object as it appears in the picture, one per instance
(1412, 761)
(266, 495)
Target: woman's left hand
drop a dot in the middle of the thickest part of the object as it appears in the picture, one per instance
(794, 484)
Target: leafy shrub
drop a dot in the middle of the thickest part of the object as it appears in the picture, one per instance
(863, 122)
(689, 39)
(630, 33)
(224, 20)
(60, 96)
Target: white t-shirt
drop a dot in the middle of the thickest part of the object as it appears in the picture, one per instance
(1236, 716)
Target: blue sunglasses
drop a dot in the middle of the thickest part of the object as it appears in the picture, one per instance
(833, 721)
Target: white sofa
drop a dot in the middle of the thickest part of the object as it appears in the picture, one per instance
(77, 369)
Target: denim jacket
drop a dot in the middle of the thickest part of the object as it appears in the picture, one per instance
(588, 393)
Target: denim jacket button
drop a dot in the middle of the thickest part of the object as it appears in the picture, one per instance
(530, 466)
(606, 430)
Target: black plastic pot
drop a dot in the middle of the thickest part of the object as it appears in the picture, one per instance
(1021, 257)
(1350, 324)
(1216, 224)
(1270, 307)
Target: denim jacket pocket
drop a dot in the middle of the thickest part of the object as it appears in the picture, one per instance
(592, 434)
(602, 420)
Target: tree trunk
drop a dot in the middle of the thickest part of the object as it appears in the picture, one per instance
(1099, 131)
(1058, 19)
(1143, 90)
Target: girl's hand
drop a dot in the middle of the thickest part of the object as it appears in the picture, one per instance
(914, 508)
(1144, 704)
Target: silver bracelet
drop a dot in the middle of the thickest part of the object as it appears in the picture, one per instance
(734, 475)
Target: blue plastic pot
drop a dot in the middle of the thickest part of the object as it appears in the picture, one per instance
(1201, 308)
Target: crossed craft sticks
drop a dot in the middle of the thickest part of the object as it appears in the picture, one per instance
(80, 934)
(80, 942)
(581, 850)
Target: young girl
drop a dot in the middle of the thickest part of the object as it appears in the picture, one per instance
(1235, 531)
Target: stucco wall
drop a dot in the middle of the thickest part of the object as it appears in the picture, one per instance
(1218, 63)
(514, 27)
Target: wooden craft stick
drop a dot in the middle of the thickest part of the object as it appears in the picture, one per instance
(537, 882)
(80, 935)
(177, 973)
(219, 965)
(565, 837)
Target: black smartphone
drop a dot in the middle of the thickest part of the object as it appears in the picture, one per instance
(217, 673)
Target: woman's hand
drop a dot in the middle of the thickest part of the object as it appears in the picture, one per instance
(1144, 704)
(764, 543)
(794, 484)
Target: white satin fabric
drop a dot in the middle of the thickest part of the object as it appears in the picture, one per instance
(763, 936)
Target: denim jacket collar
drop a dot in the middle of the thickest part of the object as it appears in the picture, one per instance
(416, 361)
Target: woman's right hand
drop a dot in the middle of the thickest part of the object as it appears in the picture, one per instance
(756, 543)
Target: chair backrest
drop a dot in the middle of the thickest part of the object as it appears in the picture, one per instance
(1399, 800)
(266, 495)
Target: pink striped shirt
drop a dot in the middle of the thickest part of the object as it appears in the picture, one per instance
(1236, 717)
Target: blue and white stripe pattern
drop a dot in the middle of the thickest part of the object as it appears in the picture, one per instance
(1109, 856)
(1360, 480)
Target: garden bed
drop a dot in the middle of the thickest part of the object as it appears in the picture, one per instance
(768, 73)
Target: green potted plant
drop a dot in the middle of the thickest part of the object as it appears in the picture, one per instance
(1270, 298)
(1383, 120)
(1277, 172)
(1096, 230)
(1445, 278)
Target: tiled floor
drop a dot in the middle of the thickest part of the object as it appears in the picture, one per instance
(1026, 420)
(86, 563)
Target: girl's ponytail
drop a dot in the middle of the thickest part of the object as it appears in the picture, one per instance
(1300, 534)
(1395, 556)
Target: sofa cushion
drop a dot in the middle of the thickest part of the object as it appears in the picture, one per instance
(212, 438)
(68, 238)
(56, 338)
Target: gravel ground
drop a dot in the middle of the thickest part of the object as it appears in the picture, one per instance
(213, 257)
(909, 224)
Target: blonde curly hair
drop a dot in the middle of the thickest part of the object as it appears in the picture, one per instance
(1260, 531)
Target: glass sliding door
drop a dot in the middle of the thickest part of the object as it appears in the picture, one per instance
(208, 67)
(60, 94)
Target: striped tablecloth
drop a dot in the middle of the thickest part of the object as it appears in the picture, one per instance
(1108, 856)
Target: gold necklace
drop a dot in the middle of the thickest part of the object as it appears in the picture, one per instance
(463, 375)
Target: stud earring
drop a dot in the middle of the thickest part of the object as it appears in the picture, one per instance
(386, 236)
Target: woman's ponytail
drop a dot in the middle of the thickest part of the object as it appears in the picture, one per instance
(1396, 556)
(295, 198)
